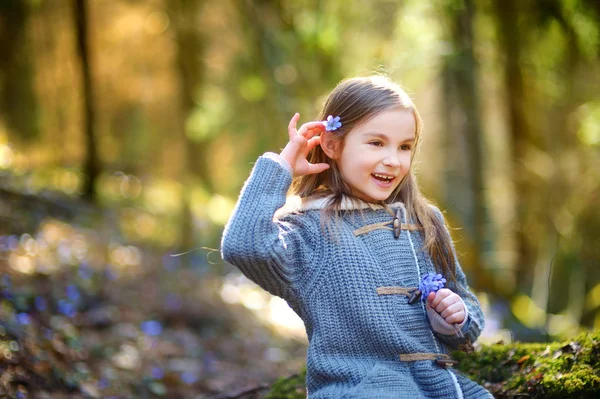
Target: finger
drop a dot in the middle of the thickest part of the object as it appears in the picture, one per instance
(439, 296)
(457, 317)
(430, 299)
(445, 303)
(316, 168)
(312, 143)
(313, 133)
(292, 126)
(310, 126)
(452, 309)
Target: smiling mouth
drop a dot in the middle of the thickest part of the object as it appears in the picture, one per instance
(383, 178)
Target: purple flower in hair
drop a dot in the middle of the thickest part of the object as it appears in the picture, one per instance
(332, 123)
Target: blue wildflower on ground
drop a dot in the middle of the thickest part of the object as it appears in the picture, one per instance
(85, 272)
(157, 373)
(12, 242)
(431, 282)
(332, 123)
(151, 327)
(5, 286)
(24, 318)
(189, 377)
(67, 308)
(173, 302)
(48, 333)
(73, 293)
(109, 273)
(103, 383)
(40, 303)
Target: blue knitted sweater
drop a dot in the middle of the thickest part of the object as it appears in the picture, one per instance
(359, 339)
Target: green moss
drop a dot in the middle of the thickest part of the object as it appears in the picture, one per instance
(289, 387)
(557, 370)
(569, 369)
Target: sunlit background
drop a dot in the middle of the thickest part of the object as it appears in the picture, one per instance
(125, 139)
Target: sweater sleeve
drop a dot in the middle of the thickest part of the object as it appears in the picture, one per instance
(265, 250)
(473, 324)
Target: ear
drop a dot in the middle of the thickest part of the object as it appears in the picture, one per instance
(330, 144)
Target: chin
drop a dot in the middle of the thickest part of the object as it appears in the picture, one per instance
(379, 197)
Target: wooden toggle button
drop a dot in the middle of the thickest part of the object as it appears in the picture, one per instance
(446, 363)
(397, 224)
(414, 297)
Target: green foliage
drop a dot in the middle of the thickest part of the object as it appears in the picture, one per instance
(569, 369)
(289, 387)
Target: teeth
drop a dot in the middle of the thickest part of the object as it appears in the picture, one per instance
(383, 177)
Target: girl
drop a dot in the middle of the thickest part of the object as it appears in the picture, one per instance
(349, 258)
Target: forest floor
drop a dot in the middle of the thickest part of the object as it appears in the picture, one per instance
(151, 326)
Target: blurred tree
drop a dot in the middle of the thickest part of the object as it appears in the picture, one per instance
(18, 102)
(190, 68)
(465, 190)
(544, 46)
(91, 167)
(191, 73)
(287, 65)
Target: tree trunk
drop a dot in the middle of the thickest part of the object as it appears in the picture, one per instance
(190, 72)
(511, 40)
(461, 84)
(92, 164)
(18, 102)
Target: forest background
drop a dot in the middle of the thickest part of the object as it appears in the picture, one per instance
(128, 127)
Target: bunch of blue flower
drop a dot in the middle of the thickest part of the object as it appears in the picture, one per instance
(430, 282)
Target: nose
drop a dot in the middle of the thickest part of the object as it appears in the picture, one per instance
(391, 160)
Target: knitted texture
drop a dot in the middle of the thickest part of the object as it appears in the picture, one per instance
(356, 336)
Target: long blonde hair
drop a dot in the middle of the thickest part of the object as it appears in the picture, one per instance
(356, 100)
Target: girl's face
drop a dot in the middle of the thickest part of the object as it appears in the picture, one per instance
(376, 154)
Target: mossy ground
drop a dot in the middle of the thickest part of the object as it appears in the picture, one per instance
(568, 369)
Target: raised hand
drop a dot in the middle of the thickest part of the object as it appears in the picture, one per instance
(301, 142)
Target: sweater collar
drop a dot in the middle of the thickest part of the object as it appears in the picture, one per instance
(295, 204)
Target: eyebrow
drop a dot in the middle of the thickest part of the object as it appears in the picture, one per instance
(383, 136)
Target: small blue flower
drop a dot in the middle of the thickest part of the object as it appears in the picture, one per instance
(151, 327)
(189, 377)
(157, 373)
(173, 302)
(431, 282)
(109, 273)
(40, 303)
(67, 308)
(103, 383)
(24, 318)
(332, 123)
(48, 333)
(73, 293)
(85, 272)
(6, 285)
(12, 242)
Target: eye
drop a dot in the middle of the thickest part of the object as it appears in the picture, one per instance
(405, 147)
(376, 143)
